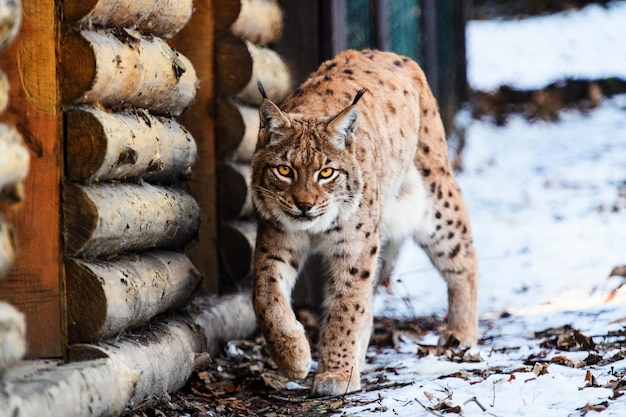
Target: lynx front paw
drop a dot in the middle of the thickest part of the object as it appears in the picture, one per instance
(455, 339)
(292, 355)
(335, 383)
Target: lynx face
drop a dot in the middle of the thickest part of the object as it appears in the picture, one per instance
(306, 172)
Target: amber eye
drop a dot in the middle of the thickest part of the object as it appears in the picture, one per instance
(284, 170)
(326, 173)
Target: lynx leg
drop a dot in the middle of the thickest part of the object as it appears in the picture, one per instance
(448, 243)
(275, 273)
(348, 324)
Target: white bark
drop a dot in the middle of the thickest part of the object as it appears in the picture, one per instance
(14, 163)
(162, 18)
(108, 146)
(106, 297)
(12, 336)
(7, 248)
(10, 20)
(114, 376)
(259, 21)
(106, 219)
(130, 68)
(4, 91)
(270, 69)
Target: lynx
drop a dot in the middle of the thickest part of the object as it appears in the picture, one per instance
(355, 158)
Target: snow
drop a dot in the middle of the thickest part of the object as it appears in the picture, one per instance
(547, 204)
(534, 52)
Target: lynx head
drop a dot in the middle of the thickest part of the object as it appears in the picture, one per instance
(304, 172)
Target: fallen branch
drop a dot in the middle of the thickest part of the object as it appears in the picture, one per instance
(370, 388)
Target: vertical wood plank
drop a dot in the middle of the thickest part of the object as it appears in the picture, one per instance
(196, 42)
(35, 285)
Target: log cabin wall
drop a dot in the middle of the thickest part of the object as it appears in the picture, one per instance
(14, 162)
(34, 284)
(244, 34)
(127, 215)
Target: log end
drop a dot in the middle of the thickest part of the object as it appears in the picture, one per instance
(77, 66)
(235, 251)
(230, 128)
(86, 303)
(75, 10)
(85, 145)
(233, 67)
(80, 217)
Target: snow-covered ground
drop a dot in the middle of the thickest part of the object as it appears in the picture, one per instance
(534, 52)
(548, 210)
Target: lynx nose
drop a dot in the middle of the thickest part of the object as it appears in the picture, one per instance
(304, 206)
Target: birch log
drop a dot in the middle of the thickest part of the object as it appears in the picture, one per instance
(232, 189)
(237, 127)
(7, 248)
(12, 336)
(106, 219)
(269, 68)
(106, 297)
(120, 66)
(163, 18)
(236, 251)
(112, 377)
(220, 319)
(116, 146)
(259, 21)
(14, 163)
(10, 19)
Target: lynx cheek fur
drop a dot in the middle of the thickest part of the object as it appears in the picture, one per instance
(338, 173)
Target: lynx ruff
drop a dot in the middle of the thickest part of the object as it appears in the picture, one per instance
(342, 174)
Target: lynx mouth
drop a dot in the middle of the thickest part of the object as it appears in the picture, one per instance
(302, 217)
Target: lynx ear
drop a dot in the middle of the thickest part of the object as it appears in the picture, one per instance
(273, 120)
(341, 127)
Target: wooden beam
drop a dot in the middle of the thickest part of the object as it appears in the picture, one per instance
(196, 41)
(35, 285)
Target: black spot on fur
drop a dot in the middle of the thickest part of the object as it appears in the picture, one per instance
(365, 274)
(276, 258)
(437, 215)
(426, 149)
(397, 63)
(374, 250)
(455, 251)
(426, 172)
(353, 271)
(348, 71)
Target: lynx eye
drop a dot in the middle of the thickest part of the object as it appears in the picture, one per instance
(284, 171)
(326, 173)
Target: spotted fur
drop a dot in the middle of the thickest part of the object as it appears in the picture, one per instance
(356, 157)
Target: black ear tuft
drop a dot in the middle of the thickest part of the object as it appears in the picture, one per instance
(358, 96)
(261, 89)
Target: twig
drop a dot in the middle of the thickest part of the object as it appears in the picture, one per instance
(474, 399)
(430, 410)
(334, 397)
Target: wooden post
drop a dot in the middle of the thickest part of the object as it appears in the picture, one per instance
(196, 41)
(35, 285)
